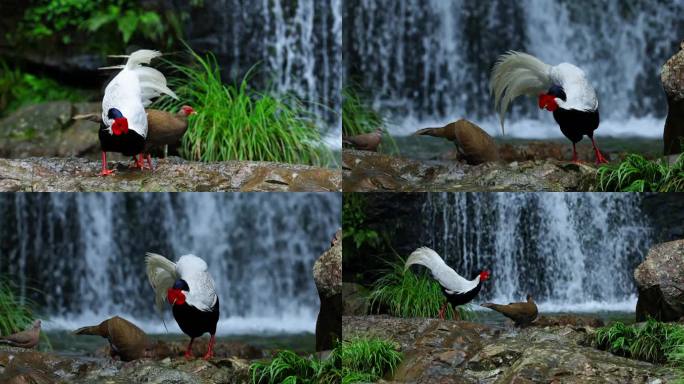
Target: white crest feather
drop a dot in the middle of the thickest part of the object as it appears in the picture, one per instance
(447, 277)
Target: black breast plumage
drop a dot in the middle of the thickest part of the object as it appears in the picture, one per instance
(129, 144)
(456, 299)
(575, 124)
(194, 322)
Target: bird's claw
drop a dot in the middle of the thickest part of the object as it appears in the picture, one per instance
(106, 172)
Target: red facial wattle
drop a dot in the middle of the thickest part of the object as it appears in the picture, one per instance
(548, 101)
(484, 275)
(175, 296)
(120, 126)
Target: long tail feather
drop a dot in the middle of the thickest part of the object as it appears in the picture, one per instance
(516, 74)
(161, 272)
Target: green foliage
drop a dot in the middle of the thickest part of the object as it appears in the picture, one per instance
(652, 341)
(403, 293)
(368, 359)
(238, 123)
(353, 221)
(358, 116)
(637, 174)
(16, 312)
(112, 22)
(357, 360)
(18, 88)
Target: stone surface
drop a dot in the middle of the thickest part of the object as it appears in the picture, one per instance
(327, 273)
(368, 171)
(437, 351)
(660, 281)
(171, 174)
(672, 78)
(354, 299)
(47, 129)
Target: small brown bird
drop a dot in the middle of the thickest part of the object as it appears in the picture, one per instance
(163, 128)
(126, 340)
(24, 339)
(366, 141)
(521, 313)
(474, 145)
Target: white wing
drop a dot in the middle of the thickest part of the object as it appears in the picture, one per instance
(194, 271)
(441, 272)
(580, 95)
(161, 272)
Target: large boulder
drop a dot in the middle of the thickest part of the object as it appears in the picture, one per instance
(48, 129)
(660, 280)
(327, 272)
(438, 351)
(672, 77)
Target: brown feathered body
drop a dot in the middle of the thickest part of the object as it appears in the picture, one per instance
(164, 128)
(126, 340)
(474, 145)
(521, 313)
(24, 339)
(366, 141)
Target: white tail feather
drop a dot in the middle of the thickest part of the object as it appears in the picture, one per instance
(141, 56)
(161, 272)
(516, 74)
(441, 272)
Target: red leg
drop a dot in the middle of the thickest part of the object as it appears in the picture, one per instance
(599, 157)
(442, 311)
(149, 161)
(210, 350)
(574, 153)
(105, 171)
(188, 352)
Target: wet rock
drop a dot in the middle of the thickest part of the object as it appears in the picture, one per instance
(574, 321)
(660, 281)
(355, 299)
(437, 351)
(171, 174)
(672, 77)
(327, 273)
(367, 171)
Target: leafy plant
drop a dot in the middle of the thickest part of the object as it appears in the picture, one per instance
(358, 116)
(115, 22)
(403, 293)
(353, 221)
(238, 123)
(18, 88)
(16, 312)
(353, 361)
(637, 174)
(652, 341)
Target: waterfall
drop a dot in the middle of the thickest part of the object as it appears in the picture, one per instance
(571, 251)
(297, 47)
(428, 62)
(84, 253)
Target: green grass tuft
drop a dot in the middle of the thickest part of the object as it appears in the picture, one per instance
(407, 294)
(353, 361)
(652, 341)
(239, 123)
(637, 174)
(358, 117)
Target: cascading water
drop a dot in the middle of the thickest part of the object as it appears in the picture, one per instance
(86, 253)
(571, 251)
(428, 62)
(296, 45)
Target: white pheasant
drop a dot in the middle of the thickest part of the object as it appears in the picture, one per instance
(562, 89)
(189, 288)
(456, 289)
(124, 121)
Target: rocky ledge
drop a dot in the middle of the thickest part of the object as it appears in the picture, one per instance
(370, 171)
(172, 174)
(437, 351)
(26, 366)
